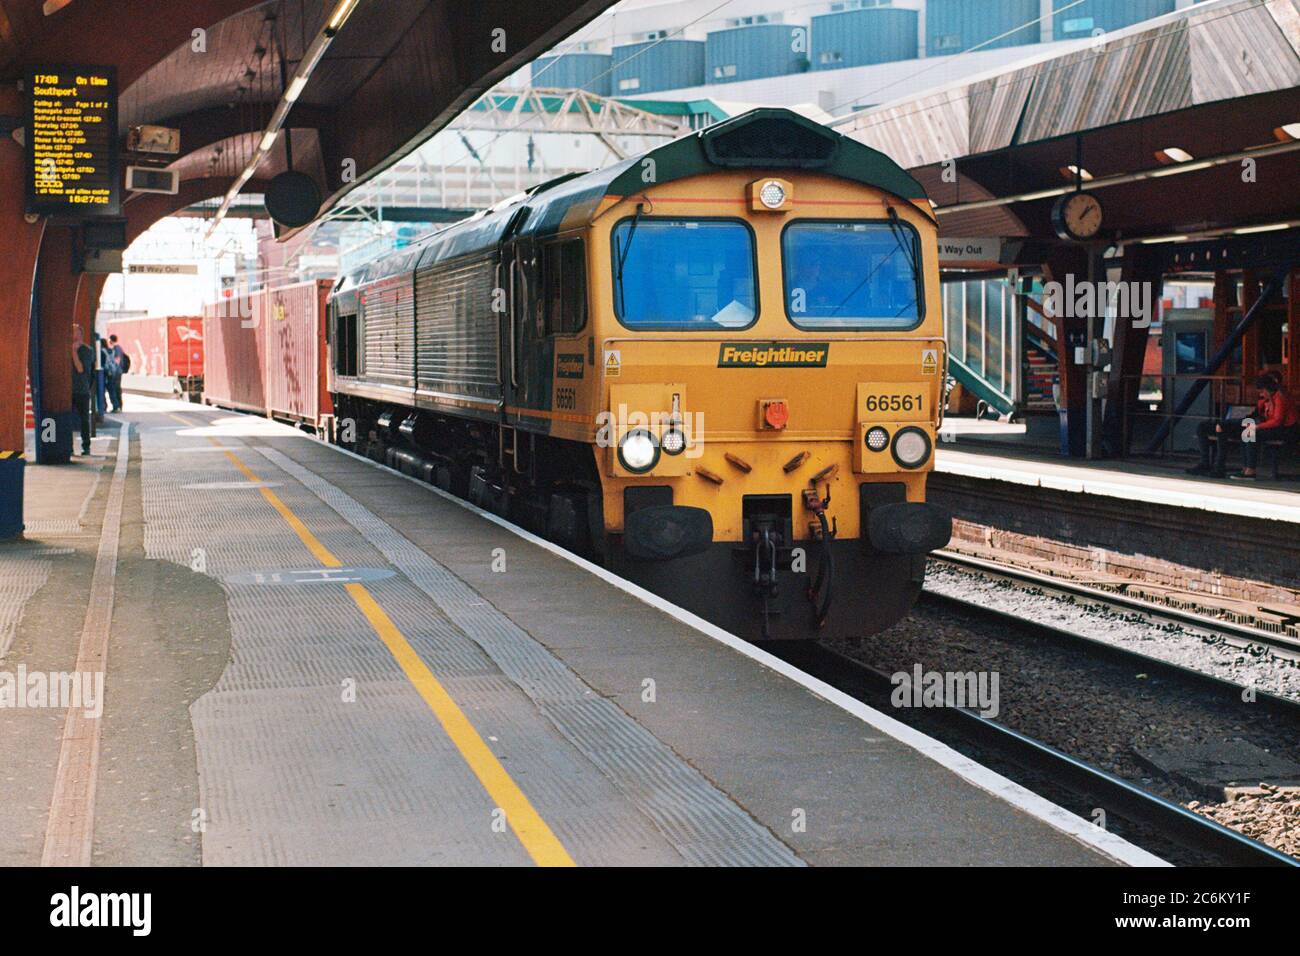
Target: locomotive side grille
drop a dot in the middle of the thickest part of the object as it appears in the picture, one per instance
(457, 331)
(390, 333)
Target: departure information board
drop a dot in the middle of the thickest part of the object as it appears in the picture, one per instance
(72, 145)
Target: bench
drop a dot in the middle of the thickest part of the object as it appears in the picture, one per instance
(1271, 451)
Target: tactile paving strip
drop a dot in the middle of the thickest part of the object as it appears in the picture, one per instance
(20, 578)
(705, 825)
(289, 774)
(287, 768)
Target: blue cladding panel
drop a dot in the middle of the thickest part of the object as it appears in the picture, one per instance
(665, 65)
(574, 71)
(1106, 15)
(955, 25)
(748, 53)
(863, 37)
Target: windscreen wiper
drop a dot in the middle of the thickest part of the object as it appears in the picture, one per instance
(906, 248)
(909, 248)
(621, 251)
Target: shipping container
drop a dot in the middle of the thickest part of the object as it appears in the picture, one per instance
(234, 353)
(170, 347)
(864, 37)
(574, 71)
(296, 388)
(657, 65)
(266, 353)
(952, 26)
(1101, 16)
(753, 52)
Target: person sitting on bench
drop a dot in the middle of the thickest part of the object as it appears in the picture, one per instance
(1233, 414)
(1279, 422)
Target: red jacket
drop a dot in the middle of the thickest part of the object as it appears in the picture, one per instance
(1280, 411)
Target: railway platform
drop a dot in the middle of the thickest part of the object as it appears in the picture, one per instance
(1136, 512)
(309, 659)
(1139, 482)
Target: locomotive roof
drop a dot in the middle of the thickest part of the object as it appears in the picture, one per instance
(768, 139)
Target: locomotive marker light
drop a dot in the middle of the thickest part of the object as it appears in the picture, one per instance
(770, 195)
(673, 441)
(911, 447)
(638, 452)
(877, 439)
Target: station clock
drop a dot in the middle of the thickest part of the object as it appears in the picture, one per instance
(1076, 217)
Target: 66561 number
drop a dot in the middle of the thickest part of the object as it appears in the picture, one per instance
(894, 403)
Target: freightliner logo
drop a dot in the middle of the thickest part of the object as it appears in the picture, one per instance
(774, 355)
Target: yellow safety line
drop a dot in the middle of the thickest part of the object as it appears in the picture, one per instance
(528, 825)
(532, 831)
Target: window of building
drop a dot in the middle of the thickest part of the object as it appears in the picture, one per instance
(1077, 25)
(657, 35)
(949, 41)
(722, 72)
(831, 56)
(631, 83)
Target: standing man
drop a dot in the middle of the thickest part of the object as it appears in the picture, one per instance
(117, 364)
(83, 370)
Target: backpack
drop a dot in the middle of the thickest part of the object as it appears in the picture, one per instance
(126, 362)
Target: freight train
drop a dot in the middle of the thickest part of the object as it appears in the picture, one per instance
(715, 368)
(265, 353)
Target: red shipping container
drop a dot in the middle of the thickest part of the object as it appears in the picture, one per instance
(145, 340)
(184, 346)
(161, 346)
(234, 353)
(296, 387)
(265, 352)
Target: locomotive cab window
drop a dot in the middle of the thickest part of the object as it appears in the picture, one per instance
(345, 345)
(852, 275)
(687, 274)
(564, 270)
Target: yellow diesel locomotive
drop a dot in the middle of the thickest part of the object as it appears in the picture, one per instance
(717, 368)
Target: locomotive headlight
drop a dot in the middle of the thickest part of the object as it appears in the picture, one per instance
(772, 195)
(673, 441)
(638, 452)
(877, 438)
(911, 447)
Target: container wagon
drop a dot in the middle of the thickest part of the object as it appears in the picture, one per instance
(162, 349)
(266, 353)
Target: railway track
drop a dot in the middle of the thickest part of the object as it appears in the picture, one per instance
(1238, 635)
(1232, 632)
(1206, 841)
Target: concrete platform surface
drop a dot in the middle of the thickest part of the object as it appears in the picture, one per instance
(1150, 484)
(316, 661)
